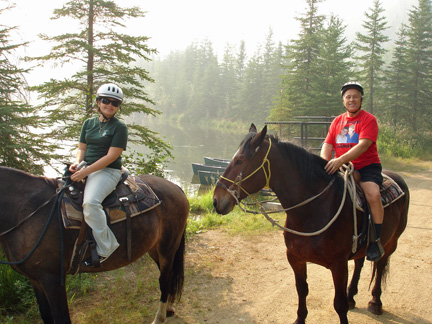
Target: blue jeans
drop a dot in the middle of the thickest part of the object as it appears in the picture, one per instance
(99, 185)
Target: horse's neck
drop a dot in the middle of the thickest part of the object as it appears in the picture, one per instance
(293, 188)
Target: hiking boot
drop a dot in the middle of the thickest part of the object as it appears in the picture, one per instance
(375, 251)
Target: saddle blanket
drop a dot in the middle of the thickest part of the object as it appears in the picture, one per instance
(129, 197)
(390, 192)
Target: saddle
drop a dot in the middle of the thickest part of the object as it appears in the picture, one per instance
(389, 189)
(132, 197)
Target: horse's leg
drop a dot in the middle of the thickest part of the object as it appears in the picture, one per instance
(340, 280)
(380, 271)
(56, 296)
(353, 287)
(300, 273)
(44, 308)
(166, 279)
(170, 311)
(164, 308)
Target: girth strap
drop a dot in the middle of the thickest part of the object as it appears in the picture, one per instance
(125, 202)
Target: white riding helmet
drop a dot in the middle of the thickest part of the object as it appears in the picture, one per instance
(110, 90)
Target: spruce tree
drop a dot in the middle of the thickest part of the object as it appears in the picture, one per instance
(369, 44)
(302, 67)
(395, 111)
(100, 53)
(334, 69)
(228, 83)
(419, 60)
(23, 144)
(272, 72)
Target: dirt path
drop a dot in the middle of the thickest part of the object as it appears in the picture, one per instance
(238, 279)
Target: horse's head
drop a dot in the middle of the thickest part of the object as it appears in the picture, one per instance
(247, 173)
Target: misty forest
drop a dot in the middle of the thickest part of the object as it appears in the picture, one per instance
(278, 82)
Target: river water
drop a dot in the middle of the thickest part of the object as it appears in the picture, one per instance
(190, 144)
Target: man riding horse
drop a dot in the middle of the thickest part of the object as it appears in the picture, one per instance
(362, 152)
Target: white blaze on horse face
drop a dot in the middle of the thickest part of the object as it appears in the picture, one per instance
(235, 154)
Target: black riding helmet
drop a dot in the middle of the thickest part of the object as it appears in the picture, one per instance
(352, 85)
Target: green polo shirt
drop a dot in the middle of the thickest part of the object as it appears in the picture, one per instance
(99, 137)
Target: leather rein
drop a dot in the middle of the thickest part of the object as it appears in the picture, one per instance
(348, 177)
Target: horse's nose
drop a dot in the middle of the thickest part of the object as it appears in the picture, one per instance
(215, 203)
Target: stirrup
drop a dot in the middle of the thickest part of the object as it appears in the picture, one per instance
(375, 251)
(89, 262)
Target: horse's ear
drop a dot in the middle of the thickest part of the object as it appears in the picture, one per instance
(259, 138)
(252, 129)
(264, 131)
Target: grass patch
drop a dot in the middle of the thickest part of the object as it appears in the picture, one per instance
(412, 165)
(203, 217)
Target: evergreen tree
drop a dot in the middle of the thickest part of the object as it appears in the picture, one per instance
(241, 60)
(99, 53)
(229, 83)
(419, 56)
(204, 92)
(302, 67)
(397, 76)
(21, 146)
(334, 69)
(272, 72)
(370, 44)
(251, 90)
(280, 110)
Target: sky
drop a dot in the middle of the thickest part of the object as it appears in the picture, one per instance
(175, 24)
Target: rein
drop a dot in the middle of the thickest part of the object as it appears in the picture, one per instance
(56, 207)
(346, 170)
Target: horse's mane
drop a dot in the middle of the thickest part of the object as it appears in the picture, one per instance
(22, 174)
(309, 165)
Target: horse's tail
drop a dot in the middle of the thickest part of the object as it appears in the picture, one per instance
(177, 279)
(385, 272)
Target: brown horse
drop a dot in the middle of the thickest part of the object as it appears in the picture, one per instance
(25, 209)
(295, 175)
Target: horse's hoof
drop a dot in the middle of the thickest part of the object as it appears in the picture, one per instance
(299, 322)
(351, 304)
(170, 313)
(375, 309)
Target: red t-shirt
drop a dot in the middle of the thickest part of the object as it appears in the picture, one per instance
(345, 132)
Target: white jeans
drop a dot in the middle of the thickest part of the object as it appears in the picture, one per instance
(99, 185)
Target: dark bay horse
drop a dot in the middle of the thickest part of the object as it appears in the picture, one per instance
(160, 232)
(295, 175)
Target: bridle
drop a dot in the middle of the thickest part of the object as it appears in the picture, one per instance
(239, 179)
(347, 171)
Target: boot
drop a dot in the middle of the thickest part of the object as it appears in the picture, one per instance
(375, 251)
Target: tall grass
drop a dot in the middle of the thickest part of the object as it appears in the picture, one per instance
(16, 294)
(399, 142)
(203, 217)
(17, 300)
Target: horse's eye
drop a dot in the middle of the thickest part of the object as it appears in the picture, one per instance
(238, 161)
